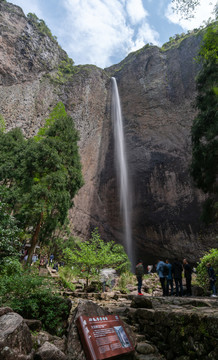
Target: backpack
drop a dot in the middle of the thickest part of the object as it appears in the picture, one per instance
(165, 270)
(139, 270)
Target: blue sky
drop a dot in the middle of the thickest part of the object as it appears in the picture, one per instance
(104, 32)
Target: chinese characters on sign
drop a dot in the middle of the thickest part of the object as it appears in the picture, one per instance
(103, 337)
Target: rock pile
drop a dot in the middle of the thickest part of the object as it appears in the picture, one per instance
(167, 328)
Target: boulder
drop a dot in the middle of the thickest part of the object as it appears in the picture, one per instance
(74, 347)
(15, 337)
(43, 336)
(145, 348)
(141, 302)
(49, 352)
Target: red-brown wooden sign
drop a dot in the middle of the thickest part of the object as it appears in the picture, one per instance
(103, 337)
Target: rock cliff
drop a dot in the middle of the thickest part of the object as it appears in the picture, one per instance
(157, 90)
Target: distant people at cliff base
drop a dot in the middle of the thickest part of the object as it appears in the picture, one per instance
(170, 276)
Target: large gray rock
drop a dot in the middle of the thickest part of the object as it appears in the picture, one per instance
(74, 347)
(49, 352)
(15, 337)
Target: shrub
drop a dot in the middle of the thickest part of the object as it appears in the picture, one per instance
(32, 297)
(202, 274)
(10, 266)
(66, 276)
(125, 279)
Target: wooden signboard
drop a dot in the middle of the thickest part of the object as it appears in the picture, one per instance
(103, 337)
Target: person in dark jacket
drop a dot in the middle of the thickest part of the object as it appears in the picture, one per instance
(188, 276)
(139, 274)
(177, 275)
(212, 278)
(169, 278)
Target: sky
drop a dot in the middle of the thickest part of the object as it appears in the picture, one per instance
(104, 32)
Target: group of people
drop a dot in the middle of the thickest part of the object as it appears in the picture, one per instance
(171, 273)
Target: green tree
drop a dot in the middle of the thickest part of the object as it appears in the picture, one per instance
(186, 8)
(204, 167)
(89, 257)
(44, 174)
(9, 232)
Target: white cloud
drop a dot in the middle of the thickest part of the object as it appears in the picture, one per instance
(145, 35)
(203, 12)
(136, 11)
(99, 29)
(96, 29)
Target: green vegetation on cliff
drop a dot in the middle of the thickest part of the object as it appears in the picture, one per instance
(40, 25)
(204, 167)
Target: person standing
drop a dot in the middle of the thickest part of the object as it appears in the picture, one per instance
(139, 274)
(51, 258)
(162, 276)
(169, 279)
(212, 278)
(188, 277)
(177, 274)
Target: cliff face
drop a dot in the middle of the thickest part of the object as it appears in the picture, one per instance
(157, 90)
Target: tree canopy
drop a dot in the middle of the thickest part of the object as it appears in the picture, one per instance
(42, 173)
(9, 232)
(93, 255)
(186, 8)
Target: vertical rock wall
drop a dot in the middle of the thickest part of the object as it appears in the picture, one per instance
(157, 90)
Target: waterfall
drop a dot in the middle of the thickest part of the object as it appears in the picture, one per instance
(122, 170)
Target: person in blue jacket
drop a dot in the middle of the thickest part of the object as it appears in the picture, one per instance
(160, 270)
(169, 279)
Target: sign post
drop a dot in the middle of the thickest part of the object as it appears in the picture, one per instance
(103, 337)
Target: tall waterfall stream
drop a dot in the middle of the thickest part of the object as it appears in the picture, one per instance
(122, 170)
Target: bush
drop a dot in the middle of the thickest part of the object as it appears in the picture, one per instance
(202, 274)
(31, 296)
(125, 279)
(10, 266)
(66, 276)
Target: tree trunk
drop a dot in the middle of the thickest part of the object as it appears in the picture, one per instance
(34, 240)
